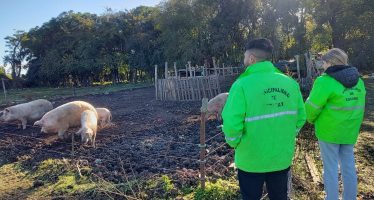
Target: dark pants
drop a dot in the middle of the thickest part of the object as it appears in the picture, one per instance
(251, 184)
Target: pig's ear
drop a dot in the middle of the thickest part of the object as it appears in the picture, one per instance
(6, 110)
(79, 132)
(38, 123)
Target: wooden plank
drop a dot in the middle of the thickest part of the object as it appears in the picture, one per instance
(159, 82)
(167, 90)
(298, 66)
(218, 86)
(169, 93)
(210, 88)
(175, 70)
(198, 89)
(312, 169)
(214, 65)
(177, 89)
(184, 89)
(156, 83)
(190, 68)
(162, 88)
(189, 89)
(170, 89)
(204, 109)
(174, 83)
(201, 81)
(223, 69)
(166, 70)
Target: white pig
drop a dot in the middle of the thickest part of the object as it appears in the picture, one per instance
(25, 112)
(88, 127)
(105, 117)
(216, 104)
(60, 119)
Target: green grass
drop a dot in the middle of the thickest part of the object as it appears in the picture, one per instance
(54, 177)
(13, 182)
(220, 189)
(27, 94)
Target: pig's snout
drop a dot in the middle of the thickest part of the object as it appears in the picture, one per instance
(43, 130)
(38, 123)
(85, 139)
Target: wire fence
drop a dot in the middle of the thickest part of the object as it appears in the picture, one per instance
(211, 148)
(217, 158)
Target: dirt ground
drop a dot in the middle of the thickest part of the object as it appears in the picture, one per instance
(150, 138)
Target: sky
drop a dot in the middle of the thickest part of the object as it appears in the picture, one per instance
(26, 14)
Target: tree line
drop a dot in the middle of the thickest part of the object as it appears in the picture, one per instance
(82, 48)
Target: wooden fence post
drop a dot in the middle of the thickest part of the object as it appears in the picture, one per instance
(204, 108)
(190, 68)
(156, 83)
(175, 70)
(72, 144)
(214, 65)
(298, 66)
(223, 70)
(2, 81)
(166, 70)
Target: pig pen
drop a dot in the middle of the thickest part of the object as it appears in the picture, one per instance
(149, 138)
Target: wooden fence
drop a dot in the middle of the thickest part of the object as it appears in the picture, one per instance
(193, 83)
(188, 89)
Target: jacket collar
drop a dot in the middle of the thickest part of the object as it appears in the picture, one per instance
(263, 66)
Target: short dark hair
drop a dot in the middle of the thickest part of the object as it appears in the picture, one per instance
(263, 46)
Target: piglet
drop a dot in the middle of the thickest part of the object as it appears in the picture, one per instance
(105, 116)
(88, 127)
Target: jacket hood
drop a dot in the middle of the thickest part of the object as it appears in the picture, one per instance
(348, 76)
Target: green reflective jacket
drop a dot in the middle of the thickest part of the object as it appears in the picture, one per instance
(261, 118)
(336, 111)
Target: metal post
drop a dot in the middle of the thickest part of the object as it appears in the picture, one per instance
(204, 108)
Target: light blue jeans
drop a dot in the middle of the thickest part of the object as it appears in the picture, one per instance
(334, 155)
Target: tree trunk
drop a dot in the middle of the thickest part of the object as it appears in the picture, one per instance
(19, 70)
(14, 74)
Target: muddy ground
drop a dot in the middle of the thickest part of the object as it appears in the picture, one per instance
(150, 137)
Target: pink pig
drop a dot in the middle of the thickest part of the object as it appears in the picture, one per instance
(216, 104)
(25, 112)
(60, 119)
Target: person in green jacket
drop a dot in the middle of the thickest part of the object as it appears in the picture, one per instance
(261, 119)
(336, 107)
